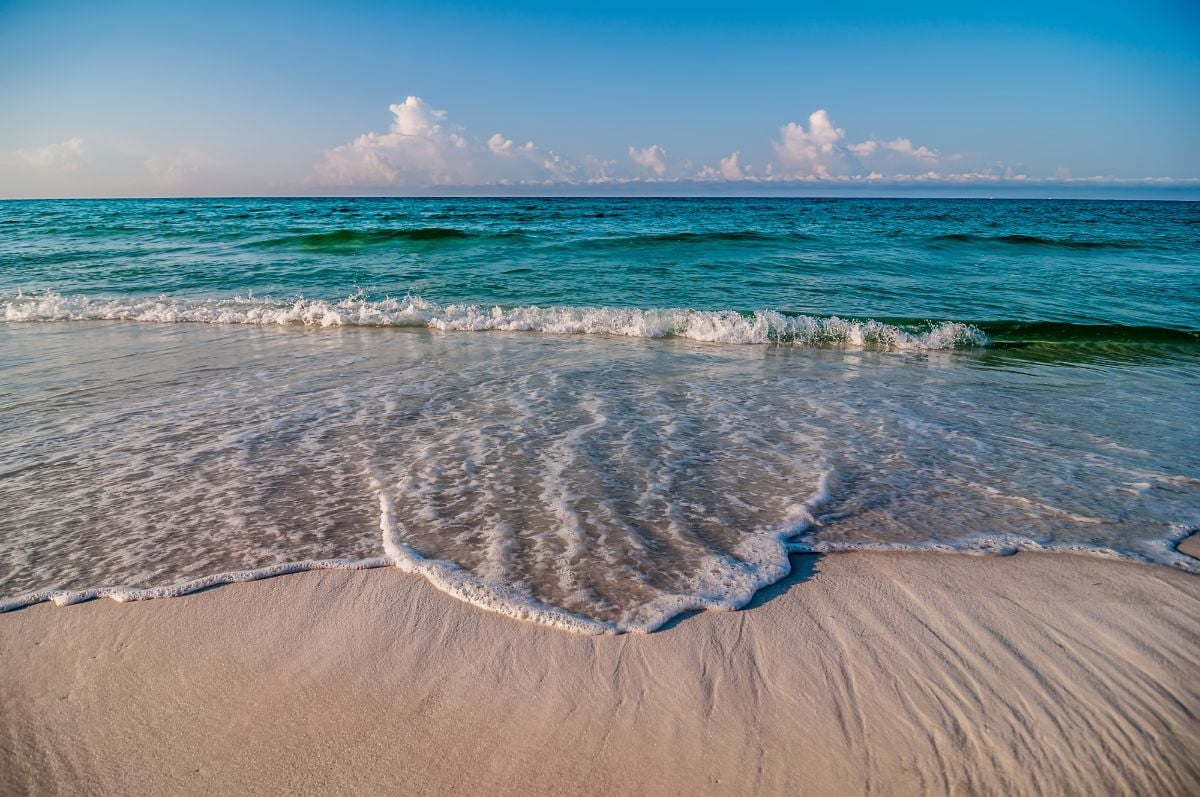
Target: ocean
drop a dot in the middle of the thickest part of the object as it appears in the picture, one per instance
(595, 413)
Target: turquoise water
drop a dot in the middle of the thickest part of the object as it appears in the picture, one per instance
(595, 413)
(1117, 264)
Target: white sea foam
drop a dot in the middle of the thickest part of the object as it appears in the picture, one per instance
(1158, 552)
(726, 585)
(722, 583)
(123, 594)
(452, 579)
(713, 326)
(596, 488)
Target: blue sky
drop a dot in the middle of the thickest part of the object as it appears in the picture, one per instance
(137, 98)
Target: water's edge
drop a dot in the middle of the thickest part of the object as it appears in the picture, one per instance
(447, 577)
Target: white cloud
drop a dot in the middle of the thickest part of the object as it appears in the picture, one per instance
(422, 148)
(903, 146)
(865, 149)
(65, 156)
(652, 158)
(557, 167)
(818, 153)
(811, 153)
(418, 147)
(501, 145)
(729, 169)
(877, 156)
(599, 170)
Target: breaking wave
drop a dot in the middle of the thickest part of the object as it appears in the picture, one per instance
(713, 326)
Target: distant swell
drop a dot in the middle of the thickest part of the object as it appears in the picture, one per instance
(727, 236)
(716, 326)
(1029, 241)
(355, 239)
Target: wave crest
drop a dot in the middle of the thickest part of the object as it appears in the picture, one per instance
(705, 237)
(1029, 241)
(713, 326)
(356, 239)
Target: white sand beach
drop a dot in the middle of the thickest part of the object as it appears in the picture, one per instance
(866, 673)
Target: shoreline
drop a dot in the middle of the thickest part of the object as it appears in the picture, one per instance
(861, 671)
(448, 578)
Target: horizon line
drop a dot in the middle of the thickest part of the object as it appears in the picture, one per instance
(898, 197)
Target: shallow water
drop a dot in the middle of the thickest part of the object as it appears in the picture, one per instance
(606, 481)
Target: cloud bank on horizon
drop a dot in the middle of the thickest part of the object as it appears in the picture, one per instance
(423, 149)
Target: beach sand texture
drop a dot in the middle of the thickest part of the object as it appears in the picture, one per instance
(863, 674)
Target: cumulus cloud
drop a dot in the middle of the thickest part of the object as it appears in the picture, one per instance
(553, 167)
(729, 169)
(500, 145)
(865, 149)
(423, 148)
(418, 147)
(903, 146)
(557, 167)
(811, 153)
(818, 153)
(65, 156)
(897, 156)
(599, 170)
(652, 158)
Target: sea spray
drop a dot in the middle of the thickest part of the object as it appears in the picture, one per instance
(711, 326)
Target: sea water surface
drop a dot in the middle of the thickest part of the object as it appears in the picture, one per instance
(595, 413)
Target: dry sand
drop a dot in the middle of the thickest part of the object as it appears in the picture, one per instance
(870, 673)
